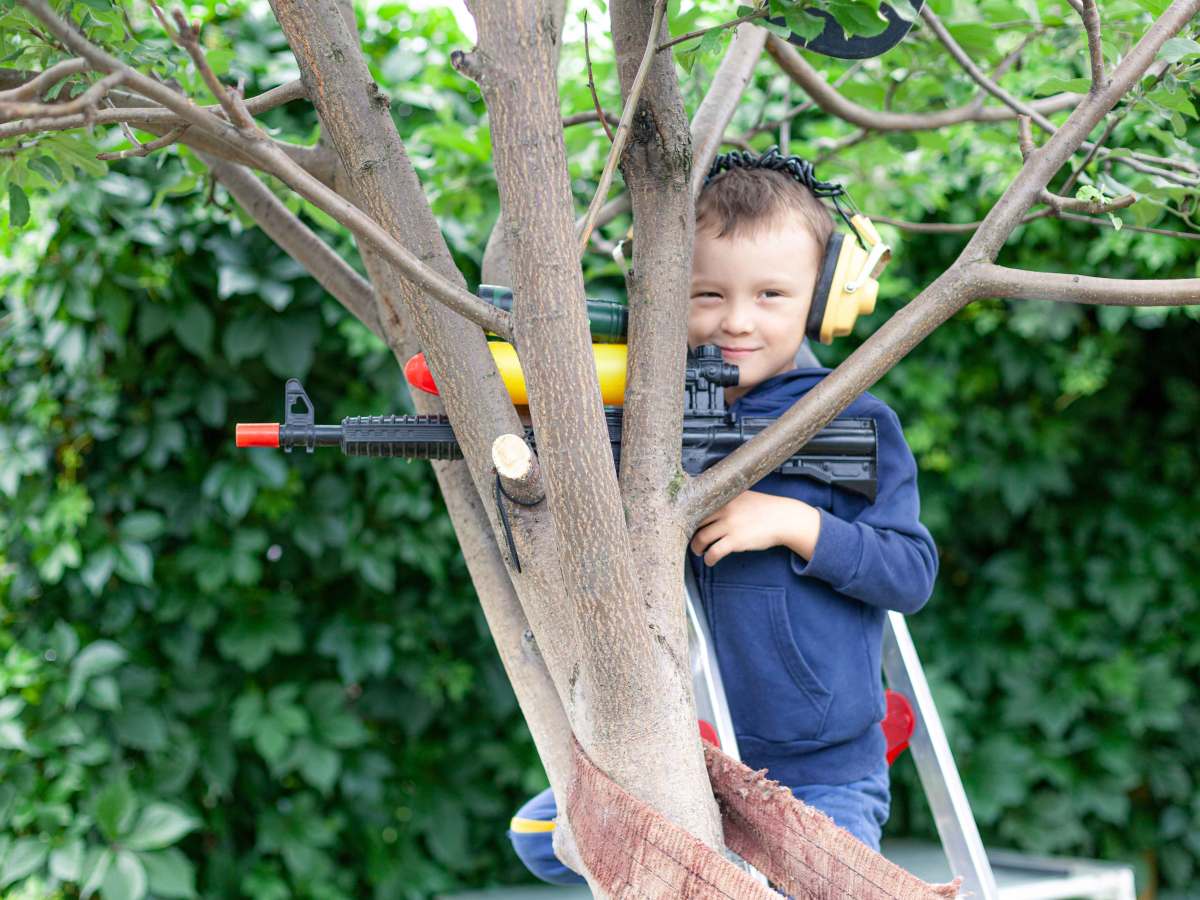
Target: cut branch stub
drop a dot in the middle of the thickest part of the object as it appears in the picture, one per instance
(520, 475)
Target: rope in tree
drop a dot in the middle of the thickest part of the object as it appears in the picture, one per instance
(632, 851)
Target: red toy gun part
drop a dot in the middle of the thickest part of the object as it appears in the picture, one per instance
(708, 733)
(898, 725)
(257, 434)
(417, 374)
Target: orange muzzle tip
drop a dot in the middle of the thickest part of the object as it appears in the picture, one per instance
(257, 434)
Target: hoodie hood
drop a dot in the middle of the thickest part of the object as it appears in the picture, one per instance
(777, 393)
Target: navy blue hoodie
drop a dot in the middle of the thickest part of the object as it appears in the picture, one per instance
(799, 641)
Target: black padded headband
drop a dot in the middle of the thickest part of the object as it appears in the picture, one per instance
(799, 169)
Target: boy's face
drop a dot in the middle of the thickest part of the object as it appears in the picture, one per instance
(750, 297)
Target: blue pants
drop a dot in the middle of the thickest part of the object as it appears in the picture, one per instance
(861, 807)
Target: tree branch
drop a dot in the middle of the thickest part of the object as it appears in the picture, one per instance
(950, 292)
(1091, 25)
(585, 117)
(37, 86)
(722, 99)
(1042, 164)
(963, 227)
(1032, 110)
(1060, 203)
(587, 55)
(1104, 135)
(188, 37)
(700, 32)
(272, 159)
(618, 147)
(832, 102)
(1018, 284)
(140, 149)
(85, 103)
(299, 241)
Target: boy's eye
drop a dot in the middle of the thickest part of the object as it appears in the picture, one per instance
(706, 296)
(772, 293)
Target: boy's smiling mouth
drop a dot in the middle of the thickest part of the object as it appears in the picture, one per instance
(737, 351)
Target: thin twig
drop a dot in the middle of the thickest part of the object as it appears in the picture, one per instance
(584, 117)
(234, 106)
(40, 84)
(587, 55)
(1092, 26)
(140, 149)
(85, 103)
(618, 147)
(1074, 176)
(1058, 202)
(844, 143)
(963, 59)
(163, 21)
(148, 115)
(802, 107)
(274, 160)
(749, 17)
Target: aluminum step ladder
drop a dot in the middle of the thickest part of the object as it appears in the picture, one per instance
(1021, 876)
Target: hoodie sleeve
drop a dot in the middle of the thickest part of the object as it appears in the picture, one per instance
(885, 556)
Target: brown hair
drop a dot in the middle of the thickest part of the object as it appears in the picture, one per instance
(747, 201)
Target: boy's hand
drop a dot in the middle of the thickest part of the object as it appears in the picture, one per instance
(756, 521)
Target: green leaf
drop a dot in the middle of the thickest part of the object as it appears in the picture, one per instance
(1154, 7)
(194, 328)
(159, 825)
(141, 726)
(24, 857)
(125, 878)
(857, 18)
(114, 808)
(319, 765)
(145, 525)
(1062, 86)
(47, 168)
(135, 563)
(18, 206)
(803, 23)
(66, 863)
(98, 569)
(95, 866)
(170, 874)
(103, 693)
(237, 492)
(95, 659)
(1177, 48)
(243, 339)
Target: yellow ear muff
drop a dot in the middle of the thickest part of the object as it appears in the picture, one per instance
(846, 286)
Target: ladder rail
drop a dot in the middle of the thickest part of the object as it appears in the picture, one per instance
(935, 764)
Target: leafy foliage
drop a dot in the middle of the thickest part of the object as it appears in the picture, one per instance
(228, 674)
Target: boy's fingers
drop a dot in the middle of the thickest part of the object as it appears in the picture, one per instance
(718, 551)
(704, 536)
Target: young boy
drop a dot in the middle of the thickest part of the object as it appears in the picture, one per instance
(795, 575)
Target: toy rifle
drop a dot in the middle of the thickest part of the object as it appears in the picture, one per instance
(842, 454)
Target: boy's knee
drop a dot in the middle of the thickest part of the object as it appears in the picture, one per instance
(532, 836)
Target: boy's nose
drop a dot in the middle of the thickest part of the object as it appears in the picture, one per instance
(737, 319)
